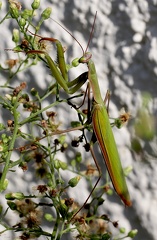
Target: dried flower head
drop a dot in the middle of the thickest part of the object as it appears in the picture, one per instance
(42, 188)
(25, 206)
(11, 62)
(53, 193)
(124, 116)
(43, 45)
(10, 123)
(69, 202)
(19, 88)
(15, 4)
(24, 44)
(33, 218)
(91, 170)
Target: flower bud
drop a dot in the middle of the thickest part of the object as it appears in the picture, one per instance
(46, 13)
(34, 92)
(74, 181)
(57, 164)
(22, 22)
(35, 4)
(14, 99)
(13, 196)
(12, 205)
(78, 157)
(132, 233)
(48, 217)
(14, 11)
(110, 192)
(8, 97)
(63, 165)
(15, 36)
(26, 14)
(62, 139)
(122, 230)
(63, 210)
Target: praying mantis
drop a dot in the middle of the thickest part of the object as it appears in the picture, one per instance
(99, 115)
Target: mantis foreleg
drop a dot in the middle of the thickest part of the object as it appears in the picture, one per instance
(59, 70)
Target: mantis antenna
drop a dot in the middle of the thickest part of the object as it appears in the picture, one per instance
(90, 37)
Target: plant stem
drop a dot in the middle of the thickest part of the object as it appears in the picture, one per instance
(11, 146)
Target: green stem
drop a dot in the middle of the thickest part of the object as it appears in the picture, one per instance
(11, 146)
(51, 162)
(5, 17)
(33, 115)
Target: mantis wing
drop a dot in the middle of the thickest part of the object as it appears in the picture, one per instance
(105, 138)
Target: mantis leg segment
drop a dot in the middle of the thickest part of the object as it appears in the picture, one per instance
(99, 171)
(60, 57)
(107, 99)
(77, 83)
(85, 94)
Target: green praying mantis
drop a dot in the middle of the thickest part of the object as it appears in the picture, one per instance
(100, 119)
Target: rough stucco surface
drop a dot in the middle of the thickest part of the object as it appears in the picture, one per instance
(124, 49)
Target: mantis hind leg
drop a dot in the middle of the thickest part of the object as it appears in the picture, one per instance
(107, 100)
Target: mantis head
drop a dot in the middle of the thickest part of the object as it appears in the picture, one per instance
(84, 59)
